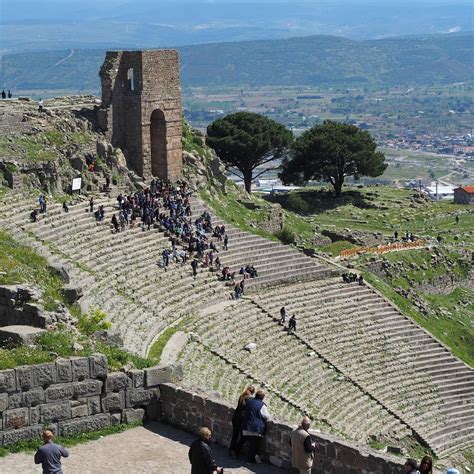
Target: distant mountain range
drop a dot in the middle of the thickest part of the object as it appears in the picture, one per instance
(312, 60)
(27, 25)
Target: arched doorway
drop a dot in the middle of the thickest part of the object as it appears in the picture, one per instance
(159, 156)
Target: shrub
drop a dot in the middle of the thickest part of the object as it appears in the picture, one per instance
(286, 236)
(93, 321)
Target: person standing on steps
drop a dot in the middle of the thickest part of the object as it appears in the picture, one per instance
(282, 315)
(200, 454)
(91, 205)
(194, 266)
(302, 448)
(49, 455)
(292, 324)
(226, 242)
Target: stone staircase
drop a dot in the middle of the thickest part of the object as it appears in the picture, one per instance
(281, 364)
(374, 372)
(119, 273)
(386, 354)
(276, 263)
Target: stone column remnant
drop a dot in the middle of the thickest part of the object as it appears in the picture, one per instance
(141, 110)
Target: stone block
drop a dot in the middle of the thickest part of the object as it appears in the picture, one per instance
(72, 293)
(117, 381)
(81, 425)
(113, 401)
(162, 374)
(137, 377)
(7, 381)
(53, 412)
(15, 400)
(3, 402)
(34, 415)
(16, 418)
(19, 334)
(32, 432)
(136, 397)
(60, 270)
(94, 405)
(87, 388)
(63, 371)
(44, 375)
(115, 418)
(79, 411)
(98, 366)
(33, 397)
(80, 368)
(60, 391)
(133, 415)
(24, 377)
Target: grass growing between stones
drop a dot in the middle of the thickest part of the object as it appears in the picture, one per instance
(67, 441)
(65, 343)
(457, 334)
(157, 347)
(20, 264)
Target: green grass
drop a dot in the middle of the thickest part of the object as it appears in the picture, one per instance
(68, 441)
(248, 211)
(60, 343)
(157, 347)
(20, 264)
(43, 146)
(456, 333)
(380, 209)
(336, 248)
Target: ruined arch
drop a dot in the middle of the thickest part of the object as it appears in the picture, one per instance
(159, 158)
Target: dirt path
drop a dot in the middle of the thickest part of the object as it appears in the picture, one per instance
(154, 449)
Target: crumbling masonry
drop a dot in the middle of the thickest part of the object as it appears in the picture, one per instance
(141, 110)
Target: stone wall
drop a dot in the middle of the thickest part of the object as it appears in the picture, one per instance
(75, 395)
(141, 110)
(190, 411)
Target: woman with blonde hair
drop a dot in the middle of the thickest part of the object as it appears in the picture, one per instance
(238, 418)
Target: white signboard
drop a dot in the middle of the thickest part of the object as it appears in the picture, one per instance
(76, 184)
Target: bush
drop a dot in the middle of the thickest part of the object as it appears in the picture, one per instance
(93, 321)
(286, 236)
(296, 203)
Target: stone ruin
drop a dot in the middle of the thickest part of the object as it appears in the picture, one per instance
(141, 110)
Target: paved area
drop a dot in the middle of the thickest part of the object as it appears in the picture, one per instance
(156, 448)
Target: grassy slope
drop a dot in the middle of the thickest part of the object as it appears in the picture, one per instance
(20, 264)
(384, 209)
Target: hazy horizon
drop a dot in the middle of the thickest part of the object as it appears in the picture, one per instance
(27, 25)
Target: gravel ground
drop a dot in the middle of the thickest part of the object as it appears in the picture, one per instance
(155, 448)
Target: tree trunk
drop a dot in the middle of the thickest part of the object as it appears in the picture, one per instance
(248, 180)
(338, 187)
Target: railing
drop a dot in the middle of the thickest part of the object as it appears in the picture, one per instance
(382, 248)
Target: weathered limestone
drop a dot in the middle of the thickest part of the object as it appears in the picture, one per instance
(141, 110)
(75, 395)
(190, 411)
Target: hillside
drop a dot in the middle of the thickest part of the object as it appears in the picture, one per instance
(330, 60)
